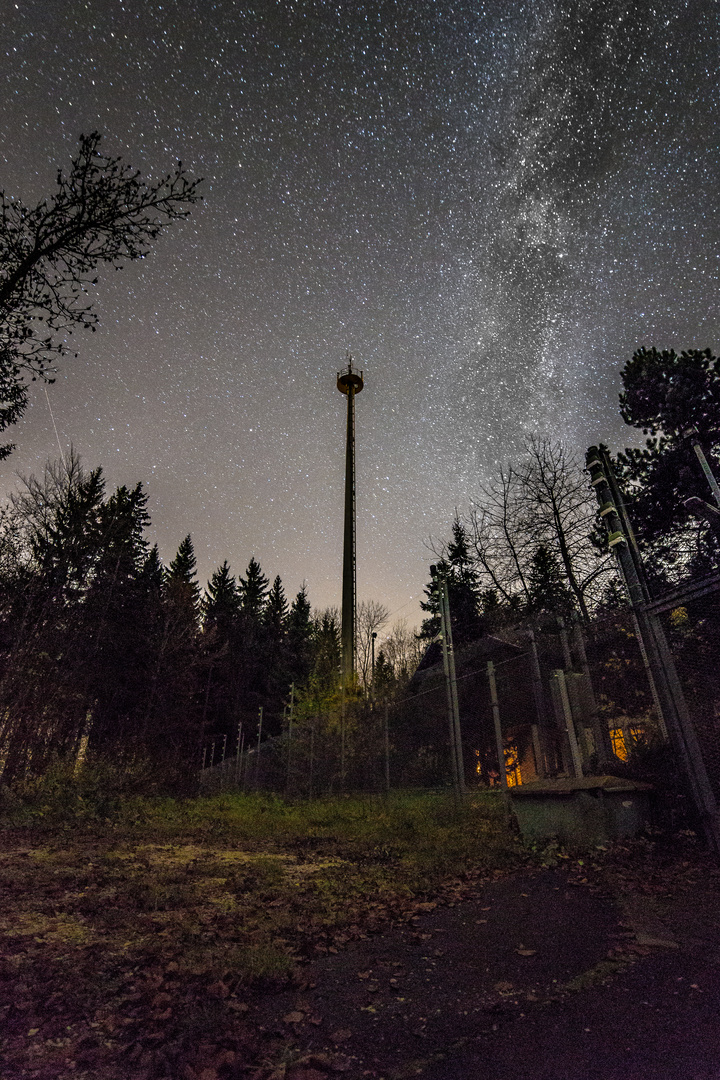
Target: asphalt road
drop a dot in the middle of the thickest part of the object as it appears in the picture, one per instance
(544, 975)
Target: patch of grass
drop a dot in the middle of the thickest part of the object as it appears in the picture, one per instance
(167, 910)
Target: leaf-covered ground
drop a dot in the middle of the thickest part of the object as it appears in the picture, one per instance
(140, 947)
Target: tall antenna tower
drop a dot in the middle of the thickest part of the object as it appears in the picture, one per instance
(350, 383)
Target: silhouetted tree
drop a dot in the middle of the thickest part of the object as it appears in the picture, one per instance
(300, 638)
(253, 593)
(101, 212)
(548, 589)
(664, 395)
(174, 713)
(275, 612)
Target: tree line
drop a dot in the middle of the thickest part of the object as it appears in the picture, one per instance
(104, 647)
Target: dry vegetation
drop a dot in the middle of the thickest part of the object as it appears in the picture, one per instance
(134, 932)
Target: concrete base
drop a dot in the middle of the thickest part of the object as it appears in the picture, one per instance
(581, 813)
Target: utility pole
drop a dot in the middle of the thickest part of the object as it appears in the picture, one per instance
(350, 383)
(456, 750)
(661, 666)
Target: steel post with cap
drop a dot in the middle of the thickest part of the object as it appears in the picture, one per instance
(669, 696)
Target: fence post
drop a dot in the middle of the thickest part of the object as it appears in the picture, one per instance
(540, 729)
(661, 665)
(599, 729)
(290, 735)
(497, 725)
(387, 751)
(456, 752)
(559, 676)
(237, 753)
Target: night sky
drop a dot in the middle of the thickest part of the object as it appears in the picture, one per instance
(490, 205)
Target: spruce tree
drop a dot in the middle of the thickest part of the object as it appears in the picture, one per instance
(299, 638)
(546, 583)
(463, 591)
(120, 618)
(174, 712)
(221, 603)
(275, 612)
(253, 592)
(180, 580)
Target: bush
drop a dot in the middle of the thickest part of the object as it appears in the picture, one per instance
(95, 791)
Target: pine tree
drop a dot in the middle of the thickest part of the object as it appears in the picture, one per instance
(174, 713)
(299, 619)
(299, 638)
(221, 603)
(275, 612)
(463, 591)
(384, 676)
(119, 619)
(326, 635)
(665, 395)
(253, 592)
(180, 580)
(152, 572)
(546, 583)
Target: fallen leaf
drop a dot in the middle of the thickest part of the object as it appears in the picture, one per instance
(364, 974)
(294, 1017)
(655, 943)
(526, 952)
(342, 1035)
(503, 987)
(238, 1006)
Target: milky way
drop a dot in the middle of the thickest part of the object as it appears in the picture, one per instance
(491, 205)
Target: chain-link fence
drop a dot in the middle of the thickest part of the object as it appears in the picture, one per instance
(559, 699)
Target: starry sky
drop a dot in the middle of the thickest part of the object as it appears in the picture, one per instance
(491, 205)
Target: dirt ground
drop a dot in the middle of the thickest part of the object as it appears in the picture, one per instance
(553, 975)
(604, 969)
